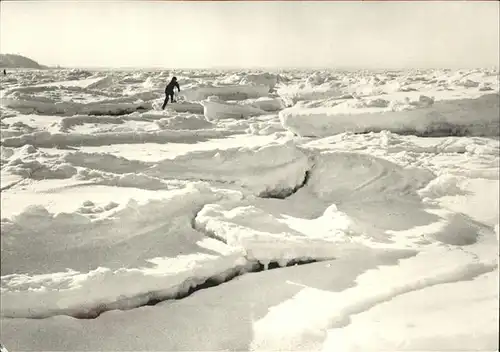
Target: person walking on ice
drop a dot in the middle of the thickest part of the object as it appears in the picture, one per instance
(169, 91)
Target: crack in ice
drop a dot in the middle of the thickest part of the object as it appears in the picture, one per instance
(152, 298)
(285, 193)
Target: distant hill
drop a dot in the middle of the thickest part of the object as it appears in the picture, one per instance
(18, 61)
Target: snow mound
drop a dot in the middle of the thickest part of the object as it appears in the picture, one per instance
(485, 86)
(83, 243)
(468, 83)
(267, 239)
(29, 162)
(364, 177)
(228, 80)
(477, 117)
(180, 122)
(75, 74)
(101, 83)
(266, 79)
(317, 78)
(282, 167)
(363, 182)
(105, 162)
(267, 104)
(443, 185)
(215, 109)
(230, 92)
(264, 128)
(34, 169)
(366, 90)
(134, 180)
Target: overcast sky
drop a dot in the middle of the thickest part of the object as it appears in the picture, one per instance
(253, 34)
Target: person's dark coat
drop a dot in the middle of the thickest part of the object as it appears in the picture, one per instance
(169, 91)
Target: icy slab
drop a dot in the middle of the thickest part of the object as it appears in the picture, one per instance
(408, 322)
(9, 179)
(362, 185)
(184, 106)
(101, 82)
(49, 140)
(120, 236)
(86, 83)
(130, 179)
(89, 294)
(324, 311)
(197, 325)
(281, 166)
(362, 177)
(113, 249)
(73, 108)
(75, 292)
(229, 92)
(446, 117)
(215, 109)
(156, 152)
(70, 122)
(464, 157)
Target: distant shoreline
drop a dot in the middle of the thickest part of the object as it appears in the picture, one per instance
(301, 69)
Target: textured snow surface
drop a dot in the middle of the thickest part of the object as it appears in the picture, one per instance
(300, 211)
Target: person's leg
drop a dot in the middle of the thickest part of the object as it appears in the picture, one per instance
(172, 98)
(165, 102)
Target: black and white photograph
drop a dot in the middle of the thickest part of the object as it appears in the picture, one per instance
(313, 176)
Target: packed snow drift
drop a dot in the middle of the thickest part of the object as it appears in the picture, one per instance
(259, 212)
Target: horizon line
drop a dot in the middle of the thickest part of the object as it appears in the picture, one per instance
(273, 68)
(235, 68)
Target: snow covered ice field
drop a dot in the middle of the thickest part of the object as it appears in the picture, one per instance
(300, 211)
